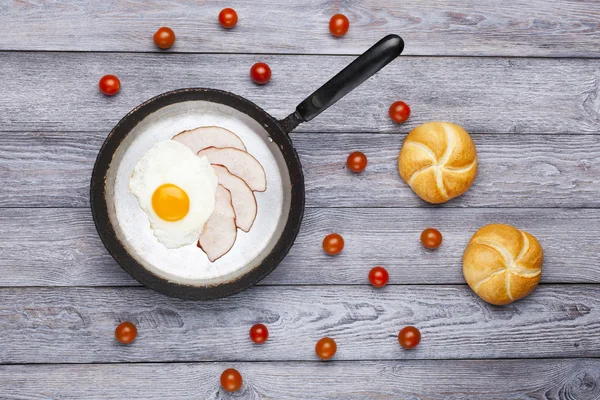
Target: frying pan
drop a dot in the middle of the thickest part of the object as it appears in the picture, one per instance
(186, 272)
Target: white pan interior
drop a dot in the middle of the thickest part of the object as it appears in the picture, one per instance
(189, 265)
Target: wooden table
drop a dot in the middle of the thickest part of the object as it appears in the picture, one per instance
(523, 77)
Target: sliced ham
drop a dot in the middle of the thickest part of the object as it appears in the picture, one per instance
(238, 163)
(220, 231)
(209, 136)
(242, 197)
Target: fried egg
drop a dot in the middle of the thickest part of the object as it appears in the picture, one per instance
(177, 190)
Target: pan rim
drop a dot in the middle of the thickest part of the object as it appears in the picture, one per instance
(117, 250)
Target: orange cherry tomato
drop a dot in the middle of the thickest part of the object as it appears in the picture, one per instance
(357, 161)
(259, 333)
(126, 332)
(399, 111)
(260, 73)
(231, 380)
(228, 18)
(431, 238)
(378, 277)
(164, 37)
(338, 25)
(109, 85)
(326, 348)
(409, 337)
(333, 244)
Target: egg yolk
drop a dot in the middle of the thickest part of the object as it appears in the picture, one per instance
(170, 202)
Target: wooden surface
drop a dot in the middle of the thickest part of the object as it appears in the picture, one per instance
(53, 169)
(66, 250)
(76, 325)
(523, 77)
(59, 91)
(440, 27)
(437, 380)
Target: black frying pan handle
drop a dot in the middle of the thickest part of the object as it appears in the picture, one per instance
(361, 69)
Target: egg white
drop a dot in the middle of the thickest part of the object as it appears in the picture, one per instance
(172, 162)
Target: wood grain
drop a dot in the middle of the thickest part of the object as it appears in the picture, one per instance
(442, 27)
(59, 91)
(569, 379)
(53, 169)
(514, 171)
(60, 247)
(76, 325)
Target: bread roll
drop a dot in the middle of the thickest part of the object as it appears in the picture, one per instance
(502, 264)
(438, 161)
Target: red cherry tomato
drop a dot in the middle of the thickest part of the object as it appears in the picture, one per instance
(431, 238)
(126, 332)
(357, 161)
(228, 18)
(259, 333)
(379, 277)
(260, 73)
(399, 111)
(338, 25)
(231, 380)
(164, 37)
(326, 348)
(109, 85)
(333, 244)
(409, 337)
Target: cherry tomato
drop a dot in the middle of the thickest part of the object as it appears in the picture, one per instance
(126, 332)
(357, 161)
(326, 348)
(228, 18)
(333, 244)
(164, 37)
(338, 25)
(409, 337)
(231, 380)
(260, 73)
(109, 85)
(259, 333)
(399, 111)
(431, 238)
(379, 277)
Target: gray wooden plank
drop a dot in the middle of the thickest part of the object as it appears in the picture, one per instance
(442, 27)
(441, 380)
(513, 171)
(58, 91)
(41, 169)
(76, 325)
(53, 169)
(60, 247)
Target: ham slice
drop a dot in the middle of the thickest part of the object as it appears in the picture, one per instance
(209, 136)
(220, 230)
(238, 163)
(242, 198)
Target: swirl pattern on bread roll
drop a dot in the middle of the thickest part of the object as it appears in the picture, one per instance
(438, 160)
(502, 264)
